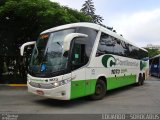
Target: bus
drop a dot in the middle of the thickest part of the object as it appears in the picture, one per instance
(83, 59)
(155, 66)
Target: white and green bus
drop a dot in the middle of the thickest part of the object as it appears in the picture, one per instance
(83, 59)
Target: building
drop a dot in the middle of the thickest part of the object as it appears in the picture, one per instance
(150, 46)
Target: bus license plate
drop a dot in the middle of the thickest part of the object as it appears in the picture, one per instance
(40, 92)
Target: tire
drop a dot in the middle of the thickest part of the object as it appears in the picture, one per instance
(143, 79)
(100, 90)
(140, 80)
(158, 75)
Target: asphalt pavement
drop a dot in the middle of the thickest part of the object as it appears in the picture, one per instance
(130, 99)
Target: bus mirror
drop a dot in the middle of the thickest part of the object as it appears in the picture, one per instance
(65, 54)
(70, 37)
(24, 45)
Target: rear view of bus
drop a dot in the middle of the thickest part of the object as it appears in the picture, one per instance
(155, 66)
(83, 59)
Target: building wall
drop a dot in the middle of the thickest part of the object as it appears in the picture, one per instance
(150, 46)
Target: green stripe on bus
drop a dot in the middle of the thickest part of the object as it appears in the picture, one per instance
(116, 82)
(82, 88)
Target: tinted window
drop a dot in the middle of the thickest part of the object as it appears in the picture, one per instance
(154, 61)
(121, 48)
(112, 45)
(143, 54)
(106, 45)
(133, 52)
(137, 53)
(89, 41)
(79, 57)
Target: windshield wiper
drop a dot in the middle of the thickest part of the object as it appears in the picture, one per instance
(59, 44)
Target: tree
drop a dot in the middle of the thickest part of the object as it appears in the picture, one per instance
(89, 9)
(98, 19)
(23, 20)
(152, 52)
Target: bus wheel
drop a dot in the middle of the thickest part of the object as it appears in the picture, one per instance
(143, 79)
(159, 75)
(140, 80)
(100, 90)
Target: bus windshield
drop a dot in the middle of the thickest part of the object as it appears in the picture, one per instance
(47, 56)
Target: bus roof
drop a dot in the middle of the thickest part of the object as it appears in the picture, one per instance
(84, 24)
(93, 26)
(155, 56)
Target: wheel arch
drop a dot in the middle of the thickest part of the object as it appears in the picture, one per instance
(102, 77)
(140, 75)
(144, 76)
(100, 82)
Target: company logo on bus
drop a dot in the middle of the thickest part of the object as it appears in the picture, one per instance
(108, 61)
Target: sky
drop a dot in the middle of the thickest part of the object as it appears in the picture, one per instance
(137, 20)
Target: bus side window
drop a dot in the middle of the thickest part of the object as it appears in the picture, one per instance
(106, 45)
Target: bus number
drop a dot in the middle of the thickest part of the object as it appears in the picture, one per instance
(115, 71)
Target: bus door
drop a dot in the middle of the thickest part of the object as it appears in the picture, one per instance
(79, 86)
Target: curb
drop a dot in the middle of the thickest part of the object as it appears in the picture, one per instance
(17, 85)
(14, 85)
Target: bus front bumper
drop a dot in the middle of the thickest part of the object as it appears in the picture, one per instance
(60, 93)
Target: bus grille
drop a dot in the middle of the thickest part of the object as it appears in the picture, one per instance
(41, 85)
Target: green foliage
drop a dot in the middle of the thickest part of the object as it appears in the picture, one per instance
(23, 20)
(89, 10)
(152, 52)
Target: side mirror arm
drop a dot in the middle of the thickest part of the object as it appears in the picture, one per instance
(24, 45)
(69, 38)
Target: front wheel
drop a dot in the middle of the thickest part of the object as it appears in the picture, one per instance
(100, 90)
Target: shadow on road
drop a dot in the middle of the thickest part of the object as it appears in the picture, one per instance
(154, 78)
(63, 103)
(80, 101)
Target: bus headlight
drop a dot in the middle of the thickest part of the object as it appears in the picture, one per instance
(59, 83)
(56, 84)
